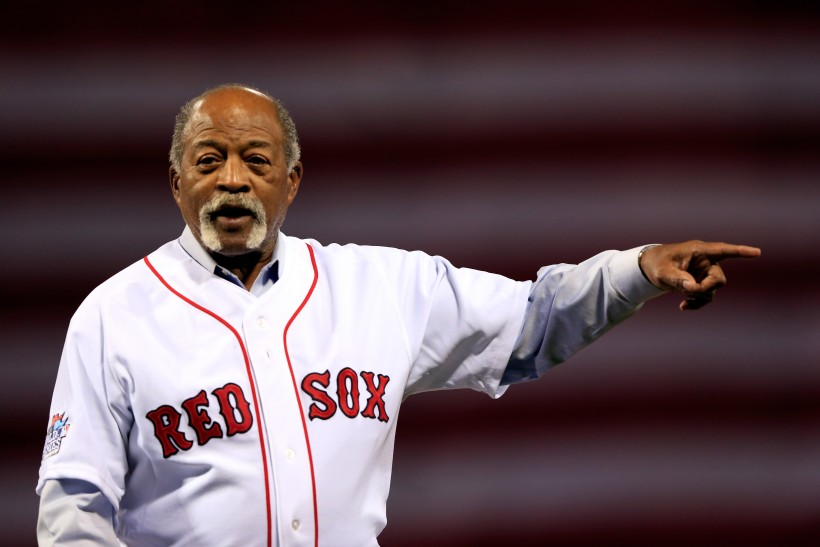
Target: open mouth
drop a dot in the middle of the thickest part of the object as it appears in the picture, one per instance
(232, 217)
(231, 212)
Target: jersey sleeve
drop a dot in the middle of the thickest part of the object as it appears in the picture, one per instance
(89, 421)
(483, 331)
(461, 324)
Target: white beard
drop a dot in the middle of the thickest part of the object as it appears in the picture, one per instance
(208, 232)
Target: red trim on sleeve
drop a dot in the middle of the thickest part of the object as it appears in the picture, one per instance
(296, 392)
(253, 387)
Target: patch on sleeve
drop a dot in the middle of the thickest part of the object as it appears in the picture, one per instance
(55, 434)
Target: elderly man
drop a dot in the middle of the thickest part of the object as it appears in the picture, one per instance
(241, 387)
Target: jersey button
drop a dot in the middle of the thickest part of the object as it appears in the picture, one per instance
(290, 454)
(260, 322)
(295, 525)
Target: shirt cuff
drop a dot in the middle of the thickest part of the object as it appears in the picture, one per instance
(628, 279)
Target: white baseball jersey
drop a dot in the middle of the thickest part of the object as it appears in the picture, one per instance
(210, 416)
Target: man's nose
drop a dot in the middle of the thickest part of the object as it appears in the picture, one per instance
(233, 177)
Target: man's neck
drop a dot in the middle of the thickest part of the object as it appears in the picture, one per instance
(246, 267)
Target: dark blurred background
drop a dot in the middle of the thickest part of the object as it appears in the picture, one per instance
(504, 136)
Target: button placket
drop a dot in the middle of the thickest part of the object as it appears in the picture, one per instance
(265, 335)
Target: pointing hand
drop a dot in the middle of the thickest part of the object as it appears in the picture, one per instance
(691, 268)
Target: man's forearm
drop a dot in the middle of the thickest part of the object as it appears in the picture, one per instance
(570, 306)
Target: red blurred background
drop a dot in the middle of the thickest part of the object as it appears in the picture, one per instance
(504, 136)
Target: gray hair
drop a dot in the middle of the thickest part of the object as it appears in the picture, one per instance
(291, 139)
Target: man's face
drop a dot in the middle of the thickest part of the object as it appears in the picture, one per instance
(233, 187)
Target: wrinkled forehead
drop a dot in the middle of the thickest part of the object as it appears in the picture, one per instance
(234, 111)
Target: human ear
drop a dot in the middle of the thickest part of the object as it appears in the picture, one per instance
(173, 179)
(294, 179)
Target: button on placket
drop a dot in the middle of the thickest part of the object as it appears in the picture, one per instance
(290, 454)
(295, 525)
(260, 322)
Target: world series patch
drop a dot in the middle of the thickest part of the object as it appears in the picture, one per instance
(55, 434)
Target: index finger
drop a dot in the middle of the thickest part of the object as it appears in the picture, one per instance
(720, 251)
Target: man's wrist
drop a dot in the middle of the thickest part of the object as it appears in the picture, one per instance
(633, 286)
(640, 261)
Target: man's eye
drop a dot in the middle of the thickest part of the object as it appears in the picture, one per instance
(257, 160)
(206, 160)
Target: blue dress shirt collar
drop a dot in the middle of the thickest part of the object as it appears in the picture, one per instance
(267, 277)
